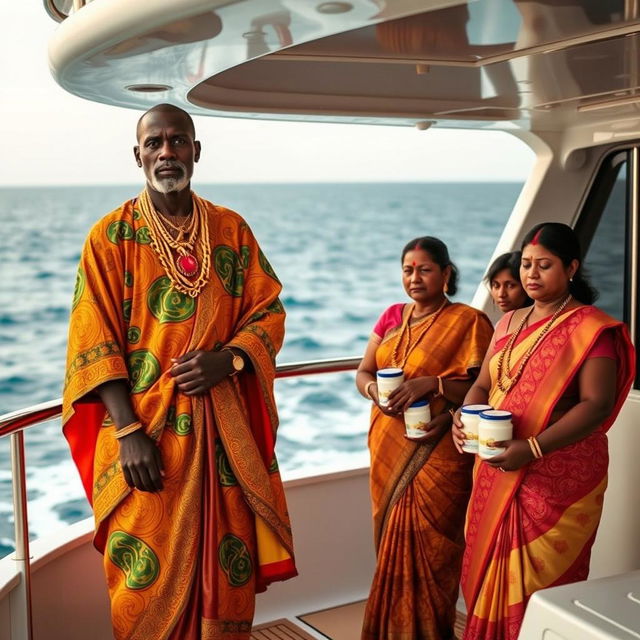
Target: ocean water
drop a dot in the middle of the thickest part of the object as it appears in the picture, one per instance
(335, 247)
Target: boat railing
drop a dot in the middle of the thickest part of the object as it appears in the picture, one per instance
(13, 425)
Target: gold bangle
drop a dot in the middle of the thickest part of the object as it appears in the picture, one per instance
(440, 386)
(367, 387)
(125, 431)
(534, 445)
(537, 445)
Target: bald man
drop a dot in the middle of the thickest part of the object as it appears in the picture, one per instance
(168, 402)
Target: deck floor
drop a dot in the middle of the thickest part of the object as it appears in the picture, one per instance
(339, 623)
(279, 630)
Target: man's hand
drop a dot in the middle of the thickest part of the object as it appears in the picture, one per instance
(197, 371)
(141, 462)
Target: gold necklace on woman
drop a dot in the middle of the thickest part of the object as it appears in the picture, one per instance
(406, 328)
(505, 380)
(181, 269)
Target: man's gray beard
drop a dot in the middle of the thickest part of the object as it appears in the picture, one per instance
(169, 185)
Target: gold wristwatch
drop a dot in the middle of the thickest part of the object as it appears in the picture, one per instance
(237, 363)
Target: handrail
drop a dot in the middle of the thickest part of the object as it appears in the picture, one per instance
(31, 416)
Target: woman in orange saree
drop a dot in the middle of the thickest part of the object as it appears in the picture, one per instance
(563, 369)
(420, 488)
(183, 562)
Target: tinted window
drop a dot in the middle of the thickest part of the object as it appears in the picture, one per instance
(605, 259)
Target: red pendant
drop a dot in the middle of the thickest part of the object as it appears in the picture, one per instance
(187, 265)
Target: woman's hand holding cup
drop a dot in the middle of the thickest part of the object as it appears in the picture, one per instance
(457, 432)
(411, 391)
(434, 430)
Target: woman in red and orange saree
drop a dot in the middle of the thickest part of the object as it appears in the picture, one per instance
(563, 369)
(419, 489)
(183, 562)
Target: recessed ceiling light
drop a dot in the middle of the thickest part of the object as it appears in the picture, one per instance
(334, 7)
(148, 88)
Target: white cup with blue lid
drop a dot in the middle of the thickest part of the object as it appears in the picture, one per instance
(494, 426)
(417, 418)
(388, 380)
(470, 417)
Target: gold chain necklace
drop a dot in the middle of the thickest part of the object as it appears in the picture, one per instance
(505, 380)
(184, 267)
(407, 328)
(184, 230)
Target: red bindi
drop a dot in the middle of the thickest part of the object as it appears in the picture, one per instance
(413, 264)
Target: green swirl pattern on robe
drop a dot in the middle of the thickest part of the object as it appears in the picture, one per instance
(144, 370)
(79, 288)
(183, 425)
(126, 309)
(119, 230)
(171, 418)
(137, 560)
(168, 305)
(225, 473)
(133, 335)
(275, 307)
(142, 235)
(228, 266)
(235, 560)
(266, 267)
(245, 256)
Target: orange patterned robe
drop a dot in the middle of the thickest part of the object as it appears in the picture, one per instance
(534, 528)
(420, 492)
(183, 563)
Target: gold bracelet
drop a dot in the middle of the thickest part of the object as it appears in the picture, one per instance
(125, 431)
(537, 445)
(440, 386)
(534, 445)
(367, 387)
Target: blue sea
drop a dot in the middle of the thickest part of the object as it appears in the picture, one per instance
(335, 247)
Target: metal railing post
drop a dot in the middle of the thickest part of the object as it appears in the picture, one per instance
(21, 626)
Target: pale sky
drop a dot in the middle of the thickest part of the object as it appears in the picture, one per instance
(57, 138)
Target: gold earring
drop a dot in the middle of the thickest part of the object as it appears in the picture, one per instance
(445, 289)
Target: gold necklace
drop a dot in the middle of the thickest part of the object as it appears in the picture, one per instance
(505, 380)
(407, 328)
(184, 230)
(184, 267)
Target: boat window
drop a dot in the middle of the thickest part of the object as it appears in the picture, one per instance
(605, 231)
(602, 229)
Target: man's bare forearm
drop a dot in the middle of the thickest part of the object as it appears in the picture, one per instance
(115, 396)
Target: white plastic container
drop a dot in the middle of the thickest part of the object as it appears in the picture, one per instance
(470, 417)
(494, 426)
(388, 380)
(416, 418)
